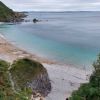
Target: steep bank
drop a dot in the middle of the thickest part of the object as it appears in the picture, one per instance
(27, 73)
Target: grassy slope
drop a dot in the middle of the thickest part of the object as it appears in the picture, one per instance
(6, 92)
(6, 14)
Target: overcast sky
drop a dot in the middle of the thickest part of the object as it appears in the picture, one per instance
(53, 5)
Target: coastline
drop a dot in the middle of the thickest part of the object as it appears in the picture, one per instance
(10, 52)
(64, 78)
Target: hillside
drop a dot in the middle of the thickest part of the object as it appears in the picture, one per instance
(8, 15)
(29, 73)
(23, 79)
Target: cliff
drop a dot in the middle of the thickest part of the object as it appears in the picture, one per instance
(25, 79)
(8, 15)
(30, 74)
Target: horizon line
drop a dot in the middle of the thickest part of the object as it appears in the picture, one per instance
(59, 11)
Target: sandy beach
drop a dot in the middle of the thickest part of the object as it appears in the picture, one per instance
(64, 78)
(10, 52)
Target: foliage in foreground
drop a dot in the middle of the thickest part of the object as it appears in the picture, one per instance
(91, 90)
(6, 90)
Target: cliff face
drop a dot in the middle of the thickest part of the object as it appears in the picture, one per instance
(40, 84)
(8, 15)
(30, 74)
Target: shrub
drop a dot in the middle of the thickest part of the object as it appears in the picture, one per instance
(91, 90)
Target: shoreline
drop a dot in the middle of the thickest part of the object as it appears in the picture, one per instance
(9, 50)
(64, 78)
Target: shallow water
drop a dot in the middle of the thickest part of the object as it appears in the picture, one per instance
(67, 37)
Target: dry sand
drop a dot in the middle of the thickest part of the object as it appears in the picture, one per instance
(64, 78)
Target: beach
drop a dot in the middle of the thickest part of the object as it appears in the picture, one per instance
(64, 78)
(10, 52)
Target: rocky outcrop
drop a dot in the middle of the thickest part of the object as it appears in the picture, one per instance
(30, 74)
(17, 17)
(35, 20)
(8, 15)
(40, 84)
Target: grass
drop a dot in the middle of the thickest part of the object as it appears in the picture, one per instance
(6, 92)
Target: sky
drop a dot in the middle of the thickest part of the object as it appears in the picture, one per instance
(53, 5)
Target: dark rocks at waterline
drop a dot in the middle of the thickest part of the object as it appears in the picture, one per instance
(27, 20)
(17, 17)
(35, 20)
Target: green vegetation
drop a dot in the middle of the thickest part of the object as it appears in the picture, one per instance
(6, 91)
(22, 70)
(25, 70)
(91, 90)
(8, 15)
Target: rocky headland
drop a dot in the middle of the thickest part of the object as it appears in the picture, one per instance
(8, 15)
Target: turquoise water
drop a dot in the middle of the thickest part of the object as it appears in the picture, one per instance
(67, 37)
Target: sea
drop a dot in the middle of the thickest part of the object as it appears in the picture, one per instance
(71, 37)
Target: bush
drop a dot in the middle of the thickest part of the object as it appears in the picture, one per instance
(91, 90)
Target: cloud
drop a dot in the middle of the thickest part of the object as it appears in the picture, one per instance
(53, 5)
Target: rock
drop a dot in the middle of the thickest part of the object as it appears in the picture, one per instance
(37, 96)
(35, 20)
(41, 84)
(27, 73)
